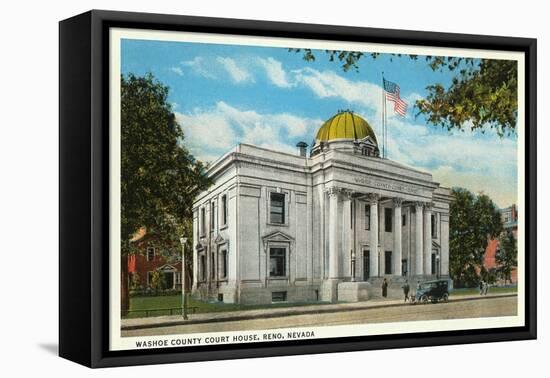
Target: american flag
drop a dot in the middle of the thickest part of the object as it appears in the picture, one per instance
(392, 94)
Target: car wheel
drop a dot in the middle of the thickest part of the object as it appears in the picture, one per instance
(424, 299)
(445, 297)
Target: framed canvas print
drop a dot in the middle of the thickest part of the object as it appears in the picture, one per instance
(234, 188)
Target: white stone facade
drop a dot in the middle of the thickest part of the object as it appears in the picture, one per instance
(329, 241)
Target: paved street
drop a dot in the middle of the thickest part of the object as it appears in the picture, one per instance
(487, 307)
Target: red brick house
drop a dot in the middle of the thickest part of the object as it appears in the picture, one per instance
(150, 258)
(510, 222)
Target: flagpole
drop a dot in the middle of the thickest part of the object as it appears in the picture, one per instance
(385, 129)
(383, 118)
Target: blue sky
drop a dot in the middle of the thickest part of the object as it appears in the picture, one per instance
(267, 96)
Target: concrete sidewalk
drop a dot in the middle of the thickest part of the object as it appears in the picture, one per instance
(227, 316)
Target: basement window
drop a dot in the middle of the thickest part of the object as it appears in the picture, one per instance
(278, 296)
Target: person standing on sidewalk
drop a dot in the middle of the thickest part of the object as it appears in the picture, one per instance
(481, 284)
(385, 288)
(406, 289)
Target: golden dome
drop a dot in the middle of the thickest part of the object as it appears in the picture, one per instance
(345, 125)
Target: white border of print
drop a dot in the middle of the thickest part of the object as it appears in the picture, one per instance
(116, 342)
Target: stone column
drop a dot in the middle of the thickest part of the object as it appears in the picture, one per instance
(418, 241)
(347, 232)
(397, 236)
(333, 233)
(373, 255)
(428, 239)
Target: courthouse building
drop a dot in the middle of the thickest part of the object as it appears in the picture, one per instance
(329, 226)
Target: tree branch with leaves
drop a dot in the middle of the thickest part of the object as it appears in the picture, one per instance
(483, 93)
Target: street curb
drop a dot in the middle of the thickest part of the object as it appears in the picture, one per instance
(290, 312)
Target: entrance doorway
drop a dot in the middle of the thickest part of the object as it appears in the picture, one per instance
(366, 264)
(387, 263)
(404, 267)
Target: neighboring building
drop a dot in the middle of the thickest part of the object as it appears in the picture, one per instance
(509, 218)
(282, 227)
(142, 265)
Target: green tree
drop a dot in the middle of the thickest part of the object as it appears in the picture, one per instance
(483, 93)
(135, 281)
(159, 177)
(157, 281)
(507, 255)
(473, 220)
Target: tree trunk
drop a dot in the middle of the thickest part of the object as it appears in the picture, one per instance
(124, 294)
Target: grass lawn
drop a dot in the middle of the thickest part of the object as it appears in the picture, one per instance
(492, 290)
(163, 303)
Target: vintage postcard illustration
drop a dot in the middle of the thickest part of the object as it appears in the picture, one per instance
(270, 189)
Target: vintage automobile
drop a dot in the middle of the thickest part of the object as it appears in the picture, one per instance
(434, 291)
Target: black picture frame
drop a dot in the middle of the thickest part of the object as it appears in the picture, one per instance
(84, 187)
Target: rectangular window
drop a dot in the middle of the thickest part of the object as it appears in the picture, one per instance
(367, 217)
(434, 263)
(403, 220)
(224, 210)
(178, 278)
(223, 264)
(278, 296)
(202, 267)
(388, 219)
(387, 263)
(277, 262)
(203, 221)
(212, 266)
(366, 264)
(150, 253)
(434, 226)
(212, 216)
(277, 208)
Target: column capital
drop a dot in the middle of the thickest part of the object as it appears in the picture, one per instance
(372, 198)
(419, 204)
(428, 206)
(347, 193)
(397, 201)
(333, 190)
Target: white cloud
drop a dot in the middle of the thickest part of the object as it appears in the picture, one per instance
(275, 72)
(460, 159)
(237, 74)
(177, 70)
(329, 84)
(200, 67)
(411, 98)
(211, 132)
